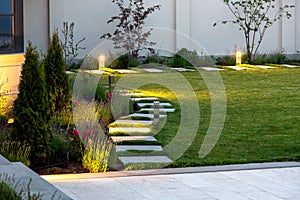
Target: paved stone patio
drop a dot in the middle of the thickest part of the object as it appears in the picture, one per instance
(265, 181)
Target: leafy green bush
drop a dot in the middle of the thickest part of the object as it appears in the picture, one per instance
(31, 109)
(226, 61)
(3, 120)
(123, 62)
(57, 82)
(89, 63)
(272, 58)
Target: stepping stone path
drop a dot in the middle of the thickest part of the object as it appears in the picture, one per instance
(136, 130)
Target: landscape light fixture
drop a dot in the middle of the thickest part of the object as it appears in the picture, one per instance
(238, 57)
(101, 61)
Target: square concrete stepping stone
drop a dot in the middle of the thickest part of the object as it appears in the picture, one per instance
(138, 147)
(211, 68)
(145, 159)
(181, 69)
(265, 67)
(160, 110)
(141, 105)
(239, 68)
(291, 66)
(139, 94)
(126, 71)
(153, 70)
(151, 116)
(133, 138)
(124, 121)
(129, 130)
(144, 99)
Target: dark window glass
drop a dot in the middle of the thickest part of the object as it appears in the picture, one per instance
(6, 25)
(11, 26)
(6, 42)
(6, 7)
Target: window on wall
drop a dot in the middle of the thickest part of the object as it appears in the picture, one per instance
(11, 26)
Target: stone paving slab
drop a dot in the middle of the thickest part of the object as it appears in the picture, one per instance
(151, 116)
(145, 122)
(211, 69)
(4, 161)
(130, 130)
(291, 66)
(144, 159)
(153, 70)
(181, 69)
(165, 110)
(141, 105)
(138, 147)
(137, 94)
(239, 68)
(126, 71)
(265, 67)
(144, 99)
(23, 175)
(275, 183)
(132, 138)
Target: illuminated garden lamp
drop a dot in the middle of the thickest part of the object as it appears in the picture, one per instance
(101, 61)
(238, 57)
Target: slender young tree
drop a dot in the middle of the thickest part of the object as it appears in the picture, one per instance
(254, 19)
(130, 33)
(57, 82)
(31, 109)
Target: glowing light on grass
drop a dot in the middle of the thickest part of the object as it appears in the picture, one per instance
(238, 57)
(101, 61)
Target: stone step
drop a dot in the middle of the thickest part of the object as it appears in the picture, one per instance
(151, 116)
(291, 66)
(144, 159)
(165, 110)
(124, 121)
(133, 138)
(139, 147)
(182, 69)
(153, 70)
(129, 130)
(141, 105)
(134, 94)
(144, 99)
(211, 69)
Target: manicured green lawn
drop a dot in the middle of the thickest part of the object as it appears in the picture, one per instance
(262, 119)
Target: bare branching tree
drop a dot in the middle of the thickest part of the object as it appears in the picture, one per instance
(253, 19)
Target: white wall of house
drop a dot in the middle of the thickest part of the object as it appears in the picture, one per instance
(36, 23)
(194, 18)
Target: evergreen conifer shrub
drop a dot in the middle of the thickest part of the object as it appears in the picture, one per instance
(31, 109)
(57, 81)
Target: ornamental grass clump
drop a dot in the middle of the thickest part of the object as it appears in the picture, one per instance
(15, 151)
(96, 152)
(97, 145)
(12, 189)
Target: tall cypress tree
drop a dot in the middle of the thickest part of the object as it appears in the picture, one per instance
(57, 82)
(31, 109)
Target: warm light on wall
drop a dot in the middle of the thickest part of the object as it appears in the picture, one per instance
(101, 61)
(238, 57)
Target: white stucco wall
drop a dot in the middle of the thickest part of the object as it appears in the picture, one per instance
(195, 18)
(36, 23)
